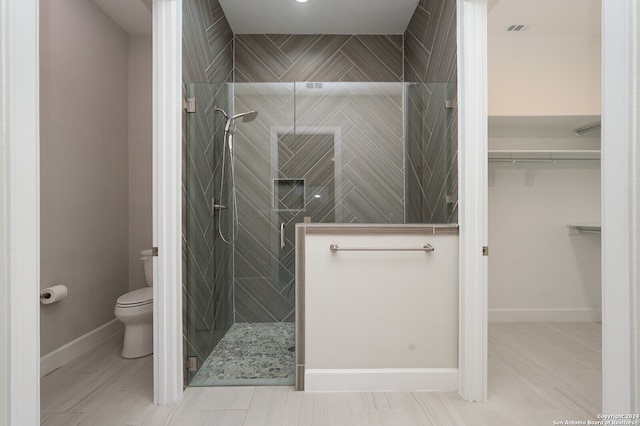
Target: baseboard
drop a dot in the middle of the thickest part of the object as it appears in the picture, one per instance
(64, 354)
(545, 315)
(387, 379)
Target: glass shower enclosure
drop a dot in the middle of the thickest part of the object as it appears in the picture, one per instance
(317, 151)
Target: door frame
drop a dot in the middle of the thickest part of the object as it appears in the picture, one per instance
(168, 358)
(20, 183)
(619, 201)
(473, 189)
(619, 158)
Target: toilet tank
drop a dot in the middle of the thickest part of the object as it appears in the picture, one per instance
(147, 262)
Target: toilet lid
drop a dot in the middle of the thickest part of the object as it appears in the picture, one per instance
(140, 297)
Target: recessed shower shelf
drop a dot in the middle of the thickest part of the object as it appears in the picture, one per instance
(547, 156)
(585, 228)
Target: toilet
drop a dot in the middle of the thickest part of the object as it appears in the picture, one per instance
(135, 311)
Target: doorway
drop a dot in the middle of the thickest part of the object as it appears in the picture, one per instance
(544, 201)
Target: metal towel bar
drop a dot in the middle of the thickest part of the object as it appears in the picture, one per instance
(426, 248)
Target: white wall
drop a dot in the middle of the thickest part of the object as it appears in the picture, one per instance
(537, 272)
(380, 310)
(636, 189)
(84, 167)
(140, 152)
(544, 75)
(3, 294)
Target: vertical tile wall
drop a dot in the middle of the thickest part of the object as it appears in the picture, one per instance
(207, 261)
(430, 64)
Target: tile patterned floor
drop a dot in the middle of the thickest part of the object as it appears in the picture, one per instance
(538, 373)
(251, 354)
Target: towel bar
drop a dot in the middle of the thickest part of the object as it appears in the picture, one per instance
(426, 248)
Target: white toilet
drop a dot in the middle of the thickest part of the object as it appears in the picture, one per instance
(135, 310)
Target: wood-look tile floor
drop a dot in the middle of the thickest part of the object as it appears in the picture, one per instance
(538, 373)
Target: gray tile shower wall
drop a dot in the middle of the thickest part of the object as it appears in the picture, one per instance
(344, 164)
(432, 144)
(426, 53)
(207, 262)
(290, 58)
(263, 292)
(207, 46)
(370, 189)
(430, 162)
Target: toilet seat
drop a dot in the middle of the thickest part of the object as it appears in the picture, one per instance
(133, 299)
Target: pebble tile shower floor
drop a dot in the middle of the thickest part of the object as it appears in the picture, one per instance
(251, 354)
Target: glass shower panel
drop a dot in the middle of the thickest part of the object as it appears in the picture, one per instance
(207, 261)
(431, 150)
(330, 152)
(365, 122)
(263, 284)
(326, 152)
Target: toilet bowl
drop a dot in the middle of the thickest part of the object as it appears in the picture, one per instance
(135, 311)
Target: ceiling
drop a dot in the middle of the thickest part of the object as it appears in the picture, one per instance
(542, 17)
(319, 16)
(545, 17)
(133, 16)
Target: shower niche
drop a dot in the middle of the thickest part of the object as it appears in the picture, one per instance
(289, 195)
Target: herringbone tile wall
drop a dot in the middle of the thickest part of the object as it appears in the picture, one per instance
(262, 290)
(207, 261)
(347, 148)
(432, 131)
(291, 58)
(375, 172)
(430, 158)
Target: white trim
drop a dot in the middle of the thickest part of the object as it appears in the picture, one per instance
(545, 315)
(22, 209)
(167, 205)
(384, 379)
(81, 345)
(472, 129)
(618, 348)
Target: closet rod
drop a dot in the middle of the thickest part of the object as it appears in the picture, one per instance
(588, 128)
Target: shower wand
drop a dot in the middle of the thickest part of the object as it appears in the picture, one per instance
(229, 130)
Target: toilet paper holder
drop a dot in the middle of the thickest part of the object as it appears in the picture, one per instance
(53, 294)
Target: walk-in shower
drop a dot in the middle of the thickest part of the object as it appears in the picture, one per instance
(325, 153)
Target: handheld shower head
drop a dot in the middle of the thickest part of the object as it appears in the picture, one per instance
(246, 116)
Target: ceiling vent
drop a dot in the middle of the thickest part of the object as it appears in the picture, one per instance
(517, 28)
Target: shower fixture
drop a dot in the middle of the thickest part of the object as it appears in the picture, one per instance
(246, 116)
(229, 130)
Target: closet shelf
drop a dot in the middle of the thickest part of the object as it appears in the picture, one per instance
(547, 156)
(585, 228)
